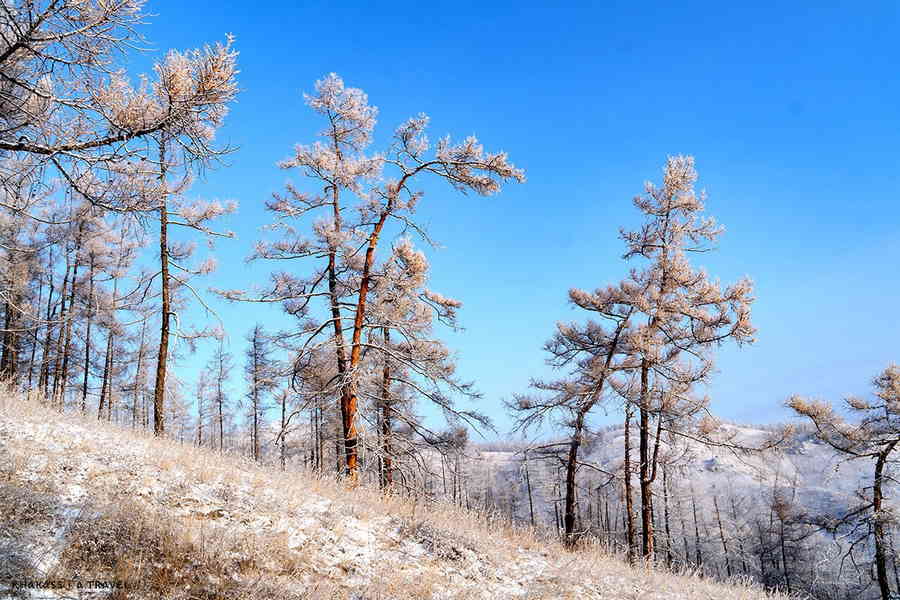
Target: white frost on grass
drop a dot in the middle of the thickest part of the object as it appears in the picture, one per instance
(355, 540)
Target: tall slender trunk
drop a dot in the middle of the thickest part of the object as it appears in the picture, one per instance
(349, 399)
(610, 528)
(684, 531)
(317, 415)
(139, 380)
(629, 504)
(12, 345)
(666, 516)
(645, 480)
(571, 470)
(7, 340)
(696, 529)
(784, 558)
(57, 358)
(69, 321)
(105, 396)
(722, 536)
(10, 359)
(578, 433)
(878, 521)
(334, 301)
(200, 414)
(106, 386)
(528, 486)
(256, 430)
(221, 400)
(159, 391)
(556, 508)
(455, 474)
(283, 424)
(387, 463)
(87, 338)
(44, 376)
(255, 400)
(734, 516)
(37, 330)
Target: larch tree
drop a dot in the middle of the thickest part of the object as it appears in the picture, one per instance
(593, 353)
(410, 362)
(202, 400)
(181, 144)
(345, 252)
(219, 370)
(873, 436)
(261, 374)
(680, 315)
(466, 166)
(66, 104)
(20, 249)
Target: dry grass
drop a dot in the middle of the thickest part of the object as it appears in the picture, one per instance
(164, 520)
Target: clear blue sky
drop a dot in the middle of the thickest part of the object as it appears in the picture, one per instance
(792, 112)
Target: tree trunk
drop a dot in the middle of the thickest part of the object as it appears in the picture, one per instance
(387, 471)
(70, 317)
(629, 504)
(722, 536)
(349, 396)
(646, 492)
(784, 559)
(699, 553)
(283, 416)
(878, 522)
(138, 378)
(105, 396)
(37, 330)
(7, 341)
(528, 487)
(734, 516)
(684, 531)
(220, 402)
(334, 300)
(87, 339)
(57, 358)
(44, 376)
(159, 391)
(666, 516)
(200, 414)
(255, 400)
(571, 469)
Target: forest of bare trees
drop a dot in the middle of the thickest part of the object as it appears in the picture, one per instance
(102, 277)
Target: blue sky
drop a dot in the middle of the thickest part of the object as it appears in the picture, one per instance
(791, 111)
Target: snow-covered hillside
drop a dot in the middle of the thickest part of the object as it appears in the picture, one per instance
(714, 498)
(153, 518)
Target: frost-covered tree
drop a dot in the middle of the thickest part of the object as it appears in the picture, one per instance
(218, 371)
(177, 152)
(261, 373)
(344, 253)
(66, 103)
(410, 361)
(592, 353)
(873, 435)
(663, 320)
(680, 315)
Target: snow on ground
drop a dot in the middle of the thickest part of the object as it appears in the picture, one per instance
(300, 534)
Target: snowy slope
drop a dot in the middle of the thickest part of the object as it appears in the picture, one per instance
(92, 501)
